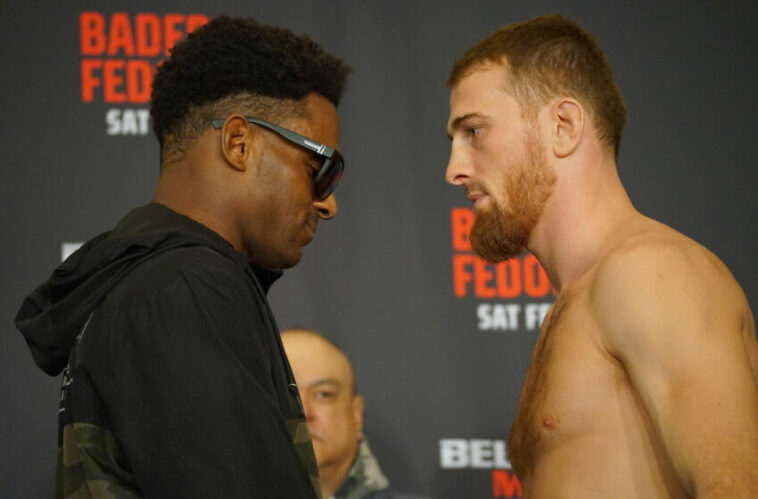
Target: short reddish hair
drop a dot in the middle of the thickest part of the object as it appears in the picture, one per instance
(548, 57)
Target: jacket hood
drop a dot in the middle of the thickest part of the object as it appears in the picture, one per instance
(52, 316)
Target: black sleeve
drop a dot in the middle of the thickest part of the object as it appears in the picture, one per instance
(190, 393)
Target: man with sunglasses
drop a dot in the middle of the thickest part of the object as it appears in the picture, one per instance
(175, 379)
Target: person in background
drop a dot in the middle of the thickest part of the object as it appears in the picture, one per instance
(334, 413)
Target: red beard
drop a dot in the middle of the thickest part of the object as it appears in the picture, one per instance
(501, 232)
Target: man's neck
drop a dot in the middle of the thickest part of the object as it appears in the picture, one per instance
(185, 188)
(579, 222)
(332, 476)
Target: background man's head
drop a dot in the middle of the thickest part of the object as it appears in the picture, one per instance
(326, 382)
(498, 89)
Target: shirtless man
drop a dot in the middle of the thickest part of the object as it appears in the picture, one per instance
(644, 379)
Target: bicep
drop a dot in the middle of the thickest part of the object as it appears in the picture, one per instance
(680, 342)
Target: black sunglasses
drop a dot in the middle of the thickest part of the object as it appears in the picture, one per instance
(330, 173)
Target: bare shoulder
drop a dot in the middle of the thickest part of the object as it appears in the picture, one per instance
(672, 314)
(656, 255)
(654, 277)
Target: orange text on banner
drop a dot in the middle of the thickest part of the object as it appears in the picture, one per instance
(461, 221)
(508, 279)
(473, 275)
(117, 50)
(505, 484)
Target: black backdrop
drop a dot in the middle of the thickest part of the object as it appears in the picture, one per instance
(441, 373)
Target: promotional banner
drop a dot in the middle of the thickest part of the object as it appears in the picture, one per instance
(440, 339)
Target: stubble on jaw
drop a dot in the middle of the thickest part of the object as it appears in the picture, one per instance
(502, 231)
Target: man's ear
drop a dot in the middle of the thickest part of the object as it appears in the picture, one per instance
(237, 141)
(358, 414)
(567, 121)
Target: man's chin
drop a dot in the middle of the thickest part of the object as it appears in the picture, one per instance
(500, 255)
(286, 260)
(493, 242)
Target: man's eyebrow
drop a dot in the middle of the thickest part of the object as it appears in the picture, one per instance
(324, 381)
(456, 123)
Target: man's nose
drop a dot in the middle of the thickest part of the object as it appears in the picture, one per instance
(458, 167)
(306, 408)
(327, 208)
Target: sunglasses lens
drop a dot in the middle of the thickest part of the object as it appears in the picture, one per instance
(329, 176)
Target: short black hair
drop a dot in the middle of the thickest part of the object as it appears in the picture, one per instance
(239, 56)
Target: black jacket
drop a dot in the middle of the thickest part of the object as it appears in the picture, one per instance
(175, 383)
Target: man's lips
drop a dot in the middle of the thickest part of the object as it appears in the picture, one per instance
(314, 432)
(477, 198)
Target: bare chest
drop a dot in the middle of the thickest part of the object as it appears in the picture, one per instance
(570, 387)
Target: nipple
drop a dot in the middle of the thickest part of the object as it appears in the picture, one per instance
(548, 422)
